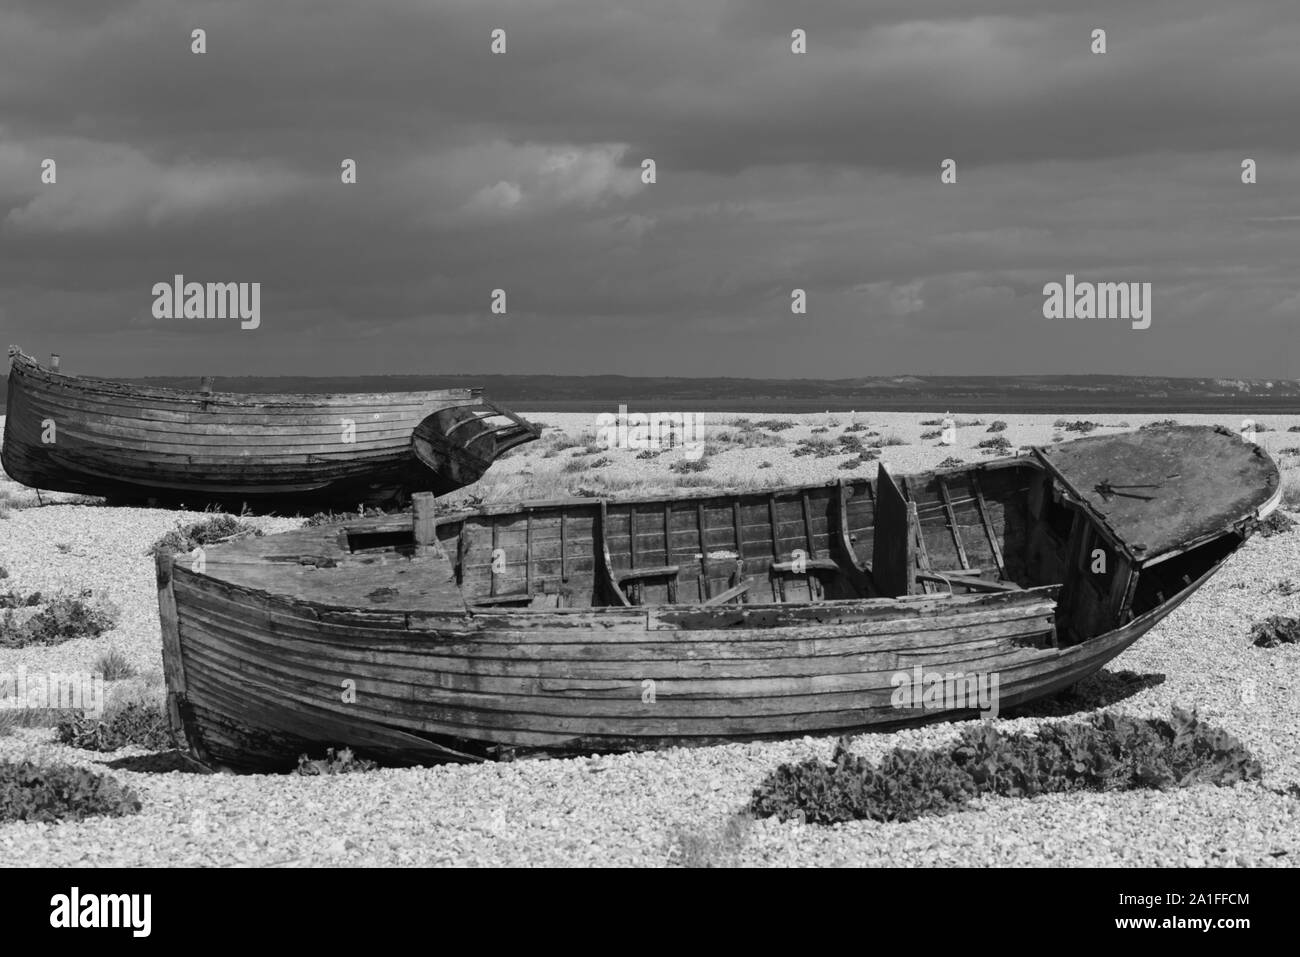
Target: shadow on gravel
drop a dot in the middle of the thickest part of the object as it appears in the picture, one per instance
(1098, 691)
(163, 763)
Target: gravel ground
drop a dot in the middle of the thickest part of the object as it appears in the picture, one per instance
(636, 809)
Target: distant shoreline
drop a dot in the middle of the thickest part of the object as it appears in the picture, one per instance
(1080, 406)
(971, 395)
(1245, 405)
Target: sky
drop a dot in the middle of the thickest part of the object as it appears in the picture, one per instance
(775, 171)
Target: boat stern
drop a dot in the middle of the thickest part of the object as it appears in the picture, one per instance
(459, 444)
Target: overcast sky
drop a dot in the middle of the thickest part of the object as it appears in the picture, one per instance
(775, 170)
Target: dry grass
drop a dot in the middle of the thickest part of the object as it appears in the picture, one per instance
(12, 718)
(747, 438)
(114, 666)
(1291, 489)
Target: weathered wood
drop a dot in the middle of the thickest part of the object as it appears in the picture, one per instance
(425, 522)
(262, 451)
(629, 574)
(807, 566)
(607, 563)
(969, 582)
(843, 530)
(989, 530)
(173, 661)
(564, 548)
(528, 552)
(778, 585)
(272, 626)
(425, 525)
(734, 592)
(893, 560)
(952, 522)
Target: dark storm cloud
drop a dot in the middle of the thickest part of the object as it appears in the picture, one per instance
(775, 171)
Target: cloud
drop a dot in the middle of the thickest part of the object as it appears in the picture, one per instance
(543, 178)
(103, 187)
(775, 171)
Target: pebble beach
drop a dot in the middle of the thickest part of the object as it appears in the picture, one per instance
(650, 809)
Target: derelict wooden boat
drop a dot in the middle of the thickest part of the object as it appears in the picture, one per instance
(588, 625)
(139, 443)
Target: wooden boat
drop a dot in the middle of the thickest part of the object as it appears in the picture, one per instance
(139, 443)
(589, 625)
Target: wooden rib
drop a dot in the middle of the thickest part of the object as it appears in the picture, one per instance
(952, 522)
(736, 526)
(988, 525)
(668, 532)
(807, 525)
(815, 589)
(607, 561)
(528, 552)
(706, 588)
(778, 583)
(918, 538)
(845, 532)
(564, 548)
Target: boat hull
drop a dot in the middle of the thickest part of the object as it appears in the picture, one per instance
(262, 680)
(691, 618)
(137, 444)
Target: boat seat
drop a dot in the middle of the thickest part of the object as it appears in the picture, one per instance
(807, 566)
(520, 599)
(632, 581)
(810, 569)
(969, 582)
(627, 574)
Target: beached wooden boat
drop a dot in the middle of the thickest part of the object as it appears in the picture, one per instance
(136, 443)
(589, 625)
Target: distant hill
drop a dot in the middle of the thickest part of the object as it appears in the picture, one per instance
(1036, 393)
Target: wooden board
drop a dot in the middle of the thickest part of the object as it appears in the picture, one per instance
(1161, 490)
(893, 561)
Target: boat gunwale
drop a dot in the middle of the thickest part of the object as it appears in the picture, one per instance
(332, 538)
(22, 365)
(631, 614)
(688, 494)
